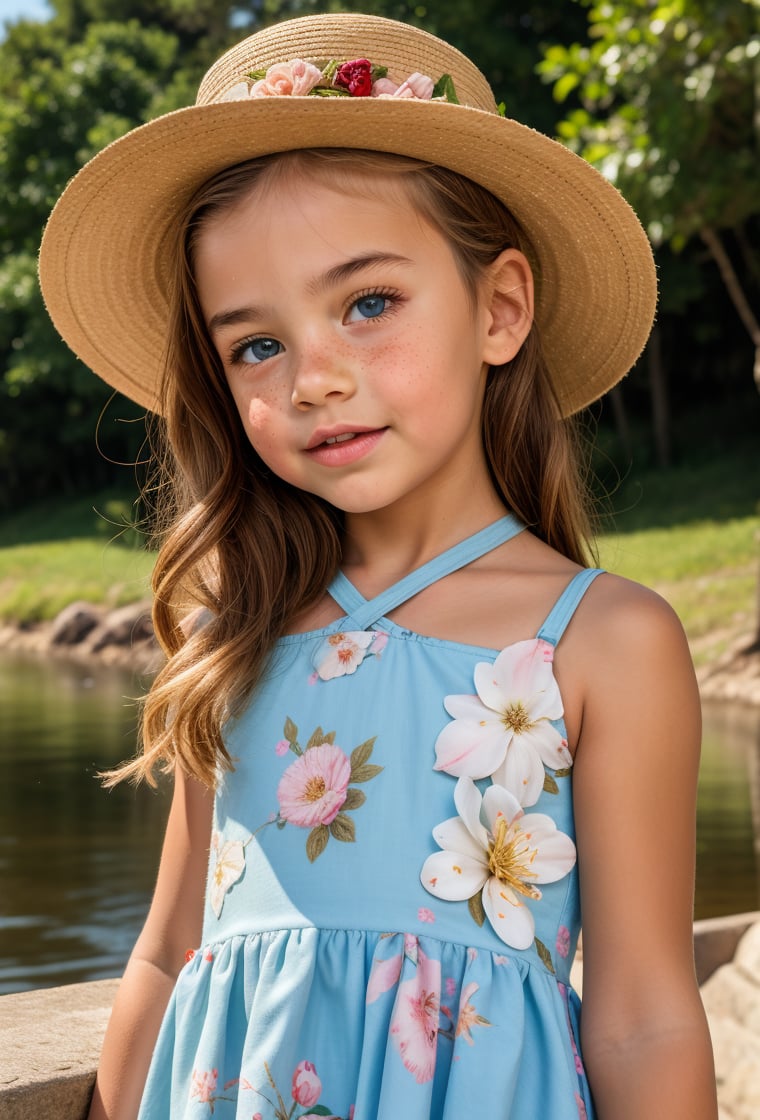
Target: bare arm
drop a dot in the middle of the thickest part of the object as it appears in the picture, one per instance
(173, 925)
(645, 1039)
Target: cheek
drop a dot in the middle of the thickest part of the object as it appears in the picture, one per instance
(258, 413)
(259, 421)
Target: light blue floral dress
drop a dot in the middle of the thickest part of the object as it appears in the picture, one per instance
(392, 906)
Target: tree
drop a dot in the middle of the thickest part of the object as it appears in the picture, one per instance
(664, 102)
(59, 103)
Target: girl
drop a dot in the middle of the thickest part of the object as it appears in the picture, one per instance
(362, 301)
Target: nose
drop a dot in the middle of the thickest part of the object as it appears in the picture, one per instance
(321, 372)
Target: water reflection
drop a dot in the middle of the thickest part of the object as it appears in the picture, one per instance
(77, 865)
(728, 812)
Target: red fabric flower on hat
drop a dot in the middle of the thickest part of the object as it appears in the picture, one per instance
(356, 77)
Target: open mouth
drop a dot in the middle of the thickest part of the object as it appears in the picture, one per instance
(340, 439)
(345, 447)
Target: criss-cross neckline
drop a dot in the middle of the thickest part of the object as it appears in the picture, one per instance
(362, 613)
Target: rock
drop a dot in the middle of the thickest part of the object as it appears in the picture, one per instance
(747, 958)
(126, 626)
(74, 623)
(729, 994)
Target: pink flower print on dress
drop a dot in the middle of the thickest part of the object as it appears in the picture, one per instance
(494, 863)
(383, 976)
(505, 731)
(203, 1086)
(414, 1025)
(563, 942)
(313, 788)
(282, 747)
(306, 1088)
(468, 1016)
(425, 915)
(341, 654)
(227, 865)
(578, 1063)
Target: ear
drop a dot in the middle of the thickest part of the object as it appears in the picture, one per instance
(507, 295)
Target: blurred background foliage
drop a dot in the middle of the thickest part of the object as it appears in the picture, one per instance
(663, 97)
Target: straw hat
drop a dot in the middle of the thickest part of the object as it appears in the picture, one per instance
(105, 265)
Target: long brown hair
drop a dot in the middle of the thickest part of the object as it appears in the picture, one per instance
(245, 553)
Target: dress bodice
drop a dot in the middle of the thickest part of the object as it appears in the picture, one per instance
(400, 812)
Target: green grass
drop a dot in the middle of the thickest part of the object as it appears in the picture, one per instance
(55, 553)
(693, 534)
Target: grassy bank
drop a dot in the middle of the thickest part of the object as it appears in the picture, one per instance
(690, 532)
(86, 548)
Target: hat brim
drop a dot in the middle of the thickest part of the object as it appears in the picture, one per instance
(105, 255)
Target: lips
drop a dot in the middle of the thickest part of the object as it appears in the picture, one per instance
(337, 434)
(341, 448)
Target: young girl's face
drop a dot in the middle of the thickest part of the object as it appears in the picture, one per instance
(351, 346)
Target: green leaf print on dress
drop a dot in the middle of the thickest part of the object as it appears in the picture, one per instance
(315, 792)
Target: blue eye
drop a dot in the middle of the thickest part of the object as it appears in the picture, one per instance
(256, 350)
(368, 307)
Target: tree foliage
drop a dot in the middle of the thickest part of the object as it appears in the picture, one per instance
(660, 96)
(664, 99)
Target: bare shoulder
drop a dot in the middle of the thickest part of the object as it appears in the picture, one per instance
(624, 657)
(614, 603)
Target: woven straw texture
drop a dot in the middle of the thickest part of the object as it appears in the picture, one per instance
(105, 257)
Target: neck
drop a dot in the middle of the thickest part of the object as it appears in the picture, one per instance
(385, 544)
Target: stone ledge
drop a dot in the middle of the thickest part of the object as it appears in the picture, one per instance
(717, 939)
(51, 1039)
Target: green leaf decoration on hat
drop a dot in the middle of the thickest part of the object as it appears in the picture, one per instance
(444, 87)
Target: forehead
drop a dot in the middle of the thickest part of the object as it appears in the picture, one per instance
(305, 216)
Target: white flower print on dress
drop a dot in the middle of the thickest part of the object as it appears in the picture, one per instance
(227, 865)
(495, 862)
(505, 731)
(341, 654)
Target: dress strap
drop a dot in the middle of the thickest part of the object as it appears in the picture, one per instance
(362, 612)
(563, 610)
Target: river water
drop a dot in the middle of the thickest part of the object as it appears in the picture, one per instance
(77, 864)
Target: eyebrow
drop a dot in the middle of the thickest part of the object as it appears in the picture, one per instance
(329, 279)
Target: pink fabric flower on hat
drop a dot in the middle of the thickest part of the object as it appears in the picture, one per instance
(313, 788)
(287, 79)
(356, 77)
(417, 87)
